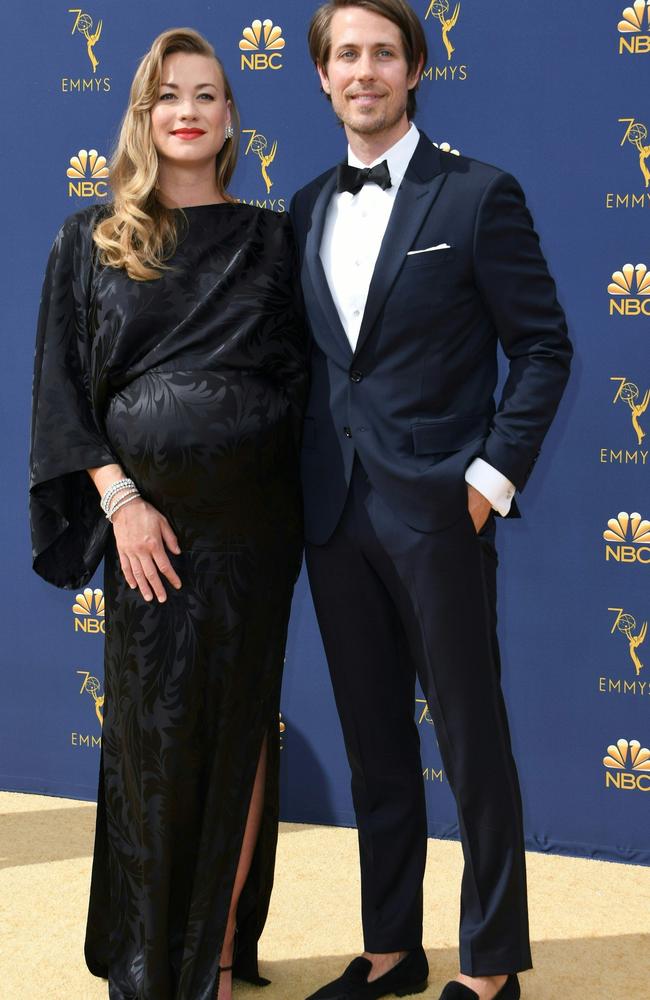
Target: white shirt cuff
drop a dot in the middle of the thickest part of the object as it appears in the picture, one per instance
(492, 484)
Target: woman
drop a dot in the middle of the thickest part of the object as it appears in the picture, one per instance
(169, 385)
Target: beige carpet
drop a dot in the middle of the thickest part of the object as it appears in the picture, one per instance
(590, 921)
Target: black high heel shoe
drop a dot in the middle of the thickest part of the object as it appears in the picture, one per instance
(458, 991)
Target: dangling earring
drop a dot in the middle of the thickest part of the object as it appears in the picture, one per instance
(230, 132)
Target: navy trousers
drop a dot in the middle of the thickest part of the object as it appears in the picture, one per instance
(392, 604)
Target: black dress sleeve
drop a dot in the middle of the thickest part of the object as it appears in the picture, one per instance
(287, 357)
(69, 530)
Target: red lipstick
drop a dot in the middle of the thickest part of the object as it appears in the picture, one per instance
(188, 133)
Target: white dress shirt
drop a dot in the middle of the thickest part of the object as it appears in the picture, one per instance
(352, 235)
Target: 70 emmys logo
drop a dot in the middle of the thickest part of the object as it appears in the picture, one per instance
(428, 773)
(90, 33)
(259, 145)
(629, 393)
(626, 625)
(631, 28)
(92, 686)
(636, 134)
(84, 25)
(261, 38)
(439, 10)
(617, 533)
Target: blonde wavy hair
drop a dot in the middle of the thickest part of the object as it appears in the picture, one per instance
(141, 233)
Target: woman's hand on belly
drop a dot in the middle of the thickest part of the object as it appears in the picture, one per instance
(143, 536)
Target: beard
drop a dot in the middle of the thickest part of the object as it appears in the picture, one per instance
(370, 122)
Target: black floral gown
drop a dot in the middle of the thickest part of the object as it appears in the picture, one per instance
(194, 384)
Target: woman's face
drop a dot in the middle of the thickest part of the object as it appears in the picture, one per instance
(189, 118)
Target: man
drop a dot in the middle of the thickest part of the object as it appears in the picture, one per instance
(415, 265)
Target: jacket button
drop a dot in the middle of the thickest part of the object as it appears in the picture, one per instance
(347, 432)
(355, 376)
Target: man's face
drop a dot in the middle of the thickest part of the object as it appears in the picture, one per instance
(367, 75)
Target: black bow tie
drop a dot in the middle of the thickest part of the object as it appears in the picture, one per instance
(352, 179)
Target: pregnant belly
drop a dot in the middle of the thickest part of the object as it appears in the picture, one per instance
(201, 443)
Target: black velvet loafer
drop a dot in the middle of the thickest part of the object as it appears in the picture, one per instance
(408, 977)
(457, 991)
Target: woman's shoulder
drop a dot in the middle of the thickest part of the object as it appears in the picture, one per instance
(275, 227)
(265, 217)
(80, 225)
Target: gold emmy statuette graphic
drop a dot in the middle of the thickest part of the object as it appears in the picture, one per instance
(629, 393)
(626, 624)
(84, 26)
(439, 9)
(617, 756)
(93, 686)
(637, 133)
(259, 145)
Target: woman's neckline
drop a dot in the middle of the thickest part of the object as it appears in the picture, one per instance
(208, 204)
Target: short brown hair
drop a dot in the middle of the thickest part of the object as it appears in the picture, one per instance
(397, 11)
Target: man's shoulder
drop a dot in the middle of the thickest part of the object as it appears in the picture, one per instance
(468, 173)
(308, 193)
(473, 170)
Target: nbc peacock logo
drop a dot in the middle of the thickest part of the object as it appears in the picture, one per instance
(89, 612)
(261, 45)
(87, 175)
(634, 29)
(629, 291)
(628, 766)
(628, 539)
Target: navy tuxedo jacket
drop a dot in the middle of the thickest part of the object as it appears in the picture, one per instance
(415, 399)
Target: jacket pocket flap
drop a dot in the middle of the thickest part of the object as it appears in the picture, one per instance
(447, 434)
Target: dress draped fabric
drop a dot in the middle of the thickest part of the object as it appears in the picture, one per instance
(194, 383)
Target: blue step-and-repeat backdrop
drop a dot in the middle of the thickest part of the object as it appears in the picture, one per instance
(556, 93)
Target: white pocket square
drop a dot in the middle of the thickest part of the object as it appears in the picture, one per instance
(440, 246)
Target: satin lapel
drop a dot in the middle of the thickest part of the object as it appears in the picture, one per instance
(314, 267)
(417, 193)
